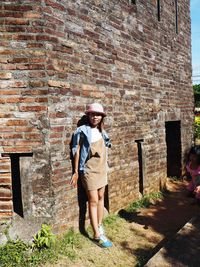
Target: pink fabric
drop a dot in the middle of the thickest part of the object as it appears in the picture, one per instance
(95, 107)
(191, 186)
(193, 172)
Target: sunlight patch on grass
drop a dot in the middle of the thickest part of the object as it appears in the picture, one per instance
(144, 202)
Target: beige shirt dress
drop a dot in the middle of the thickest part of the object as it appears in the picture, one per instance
(95, 174)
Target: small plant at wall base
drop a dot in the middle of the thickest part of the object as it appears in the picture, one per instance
(44, 238)
(45, 248)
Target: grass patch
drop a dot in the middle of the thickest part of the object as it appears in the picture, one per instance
(70, 247)
(144, 202)
(111, 220)
(113, 225)
(17, 253)
(13, 254)
(70, 243)
(42, 256)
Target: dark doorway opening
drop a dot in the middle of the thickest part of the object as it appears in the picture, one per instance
(16, 181)
(173, 142)
(140, 161)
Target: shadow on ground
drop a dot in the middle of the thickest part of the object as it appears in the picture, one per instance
(183, 250)
(167, 217)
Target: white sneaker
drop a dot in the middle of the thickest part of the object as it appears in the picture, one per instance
(101, 229)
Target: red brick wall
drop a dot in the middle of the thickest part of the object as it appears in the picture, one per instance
(58, 56)
(6, 206)
(24, 118)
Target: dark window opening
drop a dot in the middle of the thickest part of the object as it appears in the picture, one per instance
(132, 2)
(158, 9)
(140, 161)
(16, 186)
(17, 181)
(173, 142)
(176, 15)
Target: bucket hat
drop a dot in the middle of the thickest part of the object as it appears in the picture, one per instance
(95, 107)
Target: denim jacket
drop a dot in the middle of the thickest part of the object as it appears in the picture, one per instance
(84, 131)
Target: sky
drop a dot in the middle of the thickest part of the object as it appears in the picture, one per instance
(195, 17)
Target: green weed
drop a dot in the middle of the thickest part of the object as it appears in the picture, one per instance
(44, 238)
(45, 248)
(144, 202)
(13, 253)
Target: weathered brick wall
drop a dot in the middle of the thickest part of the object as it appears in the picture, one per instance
(24, 93)
(58, 56)
(6, 206)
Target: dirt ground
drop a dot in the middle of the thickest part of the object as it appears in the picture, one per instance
(138, 236)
